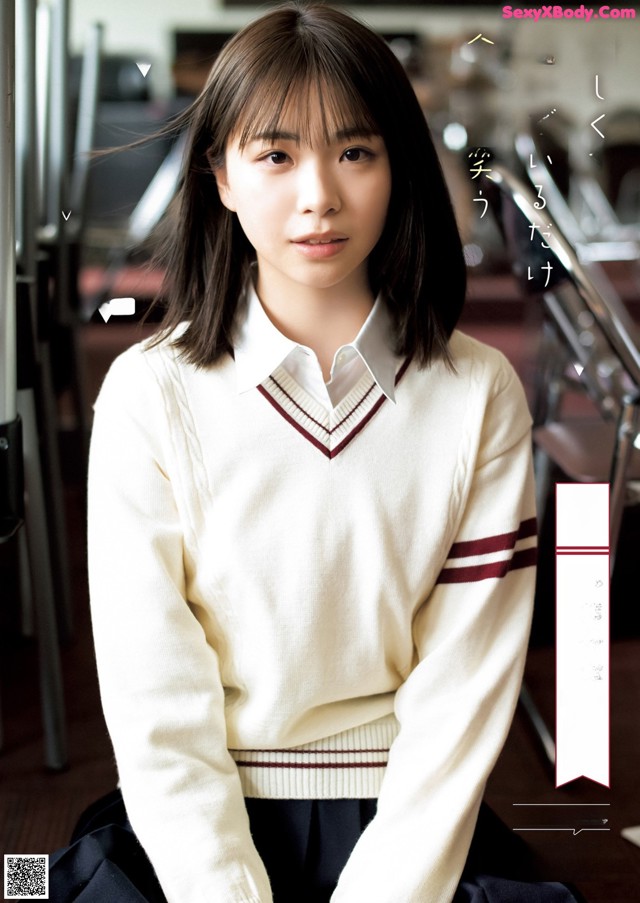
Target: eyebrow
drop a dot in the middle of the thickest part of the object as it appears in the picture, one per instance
(341, 135)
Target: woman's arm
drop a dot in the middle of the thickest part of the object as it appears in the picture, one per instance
(456, 706)
(160, 680)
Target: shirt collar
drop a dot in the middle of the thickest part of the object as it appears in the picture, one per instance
(260, 348)
(373, 344)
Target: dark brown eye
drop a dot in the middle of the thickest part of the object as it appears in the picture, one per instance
(356, 154)
(277, 157)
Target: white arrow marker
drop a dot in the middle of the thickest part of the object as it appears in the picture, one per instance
(632, 834)
(593, 124)
(144, 68)
(123, 307)
(66, 216)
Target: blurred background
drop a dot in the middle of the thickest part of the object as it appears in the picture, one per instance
(537, 124)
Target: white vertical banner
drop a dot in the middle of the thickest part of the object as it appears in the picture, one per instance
(582, 632)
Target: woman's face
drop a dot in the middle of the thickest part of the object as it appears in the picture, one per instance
(312, 211)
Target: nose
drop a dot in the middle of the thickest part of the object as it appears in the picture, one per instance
(318, 190)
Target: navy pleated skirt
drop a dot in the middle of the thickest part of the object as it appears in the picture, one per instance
(304, 846)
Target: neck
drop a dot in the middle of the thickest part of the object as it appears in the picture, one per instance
(321, 319)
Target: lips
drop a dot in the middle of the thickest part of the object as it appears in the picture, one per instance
(320, 246)
(320, 238)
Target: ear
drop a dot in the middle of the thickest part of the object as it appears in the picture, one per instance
(224, 190)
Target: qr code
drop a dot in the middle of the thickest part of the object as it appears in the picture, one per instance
(26, 877)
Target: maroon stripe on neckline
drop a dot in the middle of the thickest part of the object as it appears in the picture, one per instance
(401, 372)
(374, 410)
(328, 431)
(360, 426)
(355, 408)
(299, 407)
(330, 453)
(521, 559)
(294, 423)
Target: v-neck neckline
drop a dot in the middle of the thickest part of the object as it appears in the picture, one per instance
(330, 431)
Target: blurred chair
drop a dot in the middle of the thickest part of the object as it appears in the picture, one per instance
(589, 342)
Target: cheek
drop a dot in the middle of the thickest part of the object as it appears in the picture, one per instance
(247, 223)
(259, 209)
(257, 220)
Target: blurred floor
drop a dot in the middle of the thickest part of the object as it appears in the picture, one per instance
(38, 810)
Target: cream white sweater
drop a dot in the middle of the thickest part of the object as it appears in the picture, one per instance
(294, 603)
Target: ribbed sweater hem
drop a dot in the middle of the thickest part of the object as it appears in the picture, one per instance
(349, 765)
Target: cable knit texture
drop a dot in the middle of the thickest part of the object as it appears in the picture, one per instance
(295, 603)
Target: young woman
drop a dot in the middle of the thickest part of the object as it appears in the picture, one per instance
(312, 527)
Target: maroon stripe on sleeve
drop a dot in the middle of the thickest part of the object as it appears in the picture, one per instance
(496, 543)
(524, 558)
(521, 559)
(528, 527)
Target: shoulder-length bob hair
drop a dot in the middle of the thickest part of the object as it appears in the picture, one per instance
(265, 70)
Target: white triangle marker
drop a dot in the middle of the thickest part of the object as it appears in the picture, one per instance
(66, 215)
(632, 834)
(144, 68)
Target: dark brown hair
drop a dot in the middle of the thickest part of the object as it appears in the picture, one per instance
(276, 60)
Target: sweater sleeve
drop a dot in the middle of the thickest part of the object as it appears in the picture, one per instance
(456, 706)
(160, 680)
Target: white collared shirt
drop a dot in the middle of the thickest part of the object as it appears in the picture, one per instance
(261, 348)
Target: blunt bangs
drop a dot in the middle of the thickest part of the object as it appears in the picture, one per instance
(293, 108)
(270, 79)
